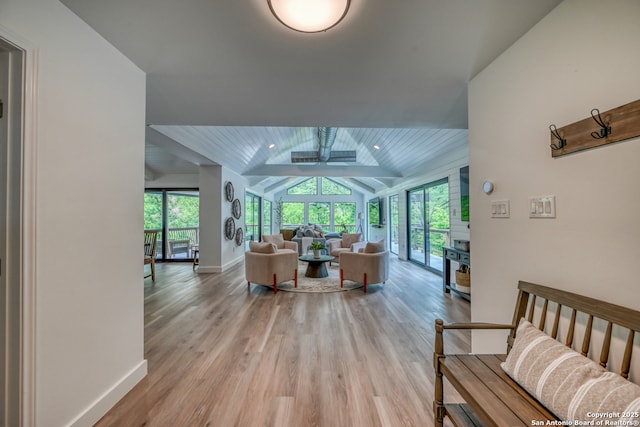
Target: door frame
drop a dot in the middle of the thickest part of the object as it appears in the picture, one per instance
(25, 140)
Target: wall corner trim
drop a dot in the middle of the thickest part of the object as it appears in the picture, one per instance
(104, 403)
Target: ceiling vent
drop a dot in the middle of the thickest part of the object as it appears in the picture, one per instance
(326, 138)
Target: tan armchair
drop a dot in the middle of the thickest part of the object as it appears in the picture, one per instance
(348, 243)
(365, 267)
(265, 265)
(280, 242)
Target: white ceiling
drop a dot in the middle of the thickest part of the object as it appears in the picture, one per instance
(225, 79)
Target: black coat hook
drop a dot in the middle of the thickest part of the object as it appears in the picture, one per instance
(605, 130)
(561, 141)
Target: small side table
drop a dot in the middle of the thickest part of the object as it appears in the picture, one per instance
(462, 257)
(195, 249)
(317, 267)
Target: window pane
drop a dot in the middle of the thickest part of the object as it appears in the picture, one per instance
(307, 187)
(152, 211)
(331, 187)
(438, 220)
(394, 224)
(153, 218)
(266, 217)
(292, 214)
(344, 216)
(319, 213)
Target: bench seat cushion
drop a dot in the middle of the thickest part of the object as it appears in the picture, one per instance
(572, 386)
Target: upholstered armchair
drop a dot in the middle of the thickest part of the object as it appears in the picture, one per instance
(370, 265)
(265, 265)
(280, 242)
(348, 243)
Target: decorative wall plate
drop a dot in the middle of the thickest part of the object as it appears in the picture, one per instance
(239, 237)
(236, 209)
(228, 191)
(229, 228)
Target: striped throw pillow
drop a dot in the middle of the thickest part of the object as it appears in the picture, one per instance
(570, 385)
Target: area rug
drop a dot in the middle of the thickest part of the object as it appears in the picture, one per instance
(325, 284)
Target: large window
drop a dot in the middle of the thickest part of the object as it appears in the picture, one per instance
(320, 202)
(176, 215)
(394, 222)
(428, 223)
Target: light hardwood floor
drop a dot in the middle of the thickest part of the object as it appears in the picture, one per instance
(221, 354)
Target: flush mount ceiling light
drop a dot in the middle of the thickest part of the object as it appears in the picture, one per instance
(309, 16)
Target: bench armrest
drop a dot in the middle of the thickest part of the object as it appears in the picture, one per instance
(441, 326)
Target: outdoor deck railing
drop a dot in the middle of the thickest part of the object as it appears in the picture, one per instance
(180, 241)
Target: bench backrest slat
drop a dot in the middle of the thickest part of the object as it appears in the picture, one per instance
(543, 317)
(556, 322)
(606, 345)
(626, 361)
(533, 304)
(586, 342)
(572, 328)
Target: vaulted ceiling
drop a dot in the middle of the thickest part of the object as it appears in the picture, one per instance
(225, 80)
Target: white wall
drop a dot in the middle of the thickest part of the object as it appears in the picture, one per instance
(583, 55)
(211, 200)
(174, 181)
(232, 254)
(90, 104)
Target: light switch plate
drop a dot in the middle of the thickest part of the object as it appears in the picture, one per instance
(500, 209)
(542, 207)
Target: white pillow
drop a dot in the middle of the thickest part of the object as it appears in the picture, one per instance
(570, 385)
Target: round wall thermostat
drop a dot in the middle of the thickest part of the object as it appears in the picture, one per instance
(487, 187)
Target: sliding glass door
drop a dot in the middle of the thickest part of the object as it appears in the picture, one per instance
(428, 223)
(252, 217)
(267, 222)
(394, 224)
(175, 214)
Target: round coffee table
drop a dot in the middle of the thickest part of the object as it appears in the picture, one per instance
(317, 267)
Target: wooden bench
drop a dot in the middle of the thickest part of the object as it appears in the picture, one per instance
(491, 397)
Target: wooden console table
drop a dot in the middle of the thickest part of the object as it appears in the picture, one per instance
(461, 257)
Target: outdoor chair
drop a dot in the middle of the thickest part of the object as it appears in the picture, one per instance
(150, 239)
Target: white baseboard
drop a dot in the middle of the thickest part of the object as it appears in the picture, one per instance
(206, 269)
(101, 406)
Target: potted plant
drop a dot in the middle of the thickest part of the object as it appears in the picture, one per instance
(316, 247)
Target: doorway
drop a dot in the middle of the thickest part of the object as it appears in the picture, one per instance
(11, 93)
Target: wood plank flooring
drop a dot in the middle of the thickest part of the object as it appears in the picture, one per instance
(221, 354)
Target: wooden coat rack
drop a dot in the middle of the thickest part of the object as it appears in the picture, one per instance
(611, 126)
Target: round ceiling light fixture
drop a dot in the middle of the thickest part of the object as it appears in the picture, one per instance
(309, 16)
